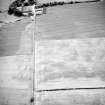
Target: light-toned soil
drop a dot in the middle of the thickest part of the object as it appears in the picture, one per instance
(16, 80)
(72, 63)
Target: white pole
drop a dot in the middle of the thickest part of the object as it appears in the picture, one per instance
(33, 11)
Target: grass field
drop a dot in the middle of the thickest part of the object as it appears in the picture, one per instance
(69, 54)
(16, 38)
(72, 21)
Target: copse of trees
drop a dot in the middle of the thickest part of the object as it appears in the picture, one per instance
(55, 3)
(19, 3)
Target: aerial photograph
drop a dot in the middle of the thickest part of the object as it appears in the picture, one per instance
(52, 52)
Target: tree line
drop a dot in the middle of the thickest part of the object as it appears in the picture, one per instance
(19, 3)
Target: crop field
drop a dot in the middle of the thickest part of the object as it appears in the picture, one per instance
(70, 35)
(70, 54)
(75, 32)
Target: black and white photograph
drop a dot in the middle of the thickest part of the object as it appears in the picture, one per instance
(52, 52)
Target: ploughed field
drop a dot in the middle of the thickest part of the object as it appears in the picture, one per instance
(70, 54)
(84, 20)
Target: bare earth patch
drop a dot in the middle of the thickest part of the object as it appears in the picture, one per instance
(70, 63)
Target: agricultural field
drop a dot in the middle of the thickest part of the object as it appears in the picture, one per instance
(13, 38)
(70, 55)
